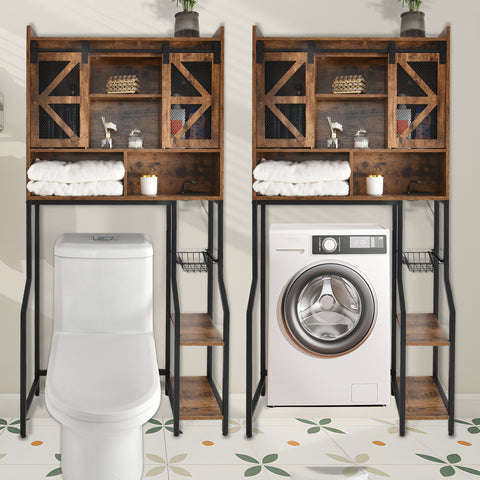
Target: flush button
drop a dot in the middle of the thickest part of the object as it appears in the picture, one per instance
(329, 244)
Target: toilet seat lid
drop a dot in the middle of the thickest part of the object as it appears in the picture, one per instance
(103, 377)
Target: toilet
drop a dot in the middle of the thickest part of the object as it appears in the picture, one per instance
(102, 380)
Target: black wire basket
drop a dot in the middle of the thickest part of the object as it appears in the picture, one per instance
(419, 261)
(194, 262)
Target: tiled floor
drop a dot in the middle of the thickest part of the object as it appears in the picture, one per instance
(300, 447)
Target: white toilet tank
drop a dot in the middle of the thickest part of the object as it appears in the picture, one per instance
(103, 283)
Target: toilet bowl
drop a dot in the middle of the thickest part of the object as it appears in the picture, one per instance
(102, 380)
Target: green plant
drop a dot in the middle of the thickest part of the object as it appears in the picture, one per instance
(188, 5)
(413, 5)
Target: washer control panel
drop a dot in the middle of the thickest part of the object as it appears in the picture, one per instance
(351, 244)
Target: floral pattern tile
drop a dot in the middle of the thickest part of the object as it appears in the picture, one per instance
(300, 448)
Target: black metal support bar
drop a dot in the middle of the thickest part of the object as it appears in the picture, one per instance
(85, 52)
(401, 399)
(249, 326)
(436, 280)
(168, 296)
(23, 325)
(37, 297)
(33, 52)
(263, 295)
(210, 252)
(176, 306)
(260, 49)
(391, 52)
(395, 267)
(311, 53)
(217, 52)
(452, 318)
(226, 321)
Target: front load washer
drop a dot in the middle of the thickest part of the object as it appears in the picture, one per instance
(329, 316)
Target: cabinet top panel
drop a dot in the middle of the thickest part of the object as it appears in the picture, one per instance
(123, 43)
(350, 43)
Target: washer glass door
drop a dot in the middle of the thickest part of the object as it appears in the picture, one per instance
(329, 309)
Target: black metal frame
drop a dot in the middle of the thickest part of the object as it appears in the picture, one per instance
(398, 303)
(173, 388)
(27, 392)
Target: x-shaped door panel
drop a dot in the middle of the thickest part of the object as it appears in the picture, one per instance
(285, 100)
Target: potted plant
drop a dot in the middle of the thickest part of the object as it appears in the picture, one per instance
(186, 21)
(413, 21)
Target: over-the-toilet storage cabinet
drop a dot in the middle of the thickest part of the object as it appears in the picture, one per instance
(66, 99)
(292, 98)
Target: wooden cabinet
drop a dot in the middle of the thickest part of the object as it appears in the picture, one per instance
(177, 108)
(397, 89)
(174, 97)
(403, 106)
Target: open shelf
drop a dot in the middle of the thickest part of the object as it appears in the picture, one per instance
(197, 329)
(423, 329)
(197, 400)
(423, 400)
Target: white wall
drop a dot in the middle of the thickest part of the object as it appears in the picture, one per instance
(281, 17)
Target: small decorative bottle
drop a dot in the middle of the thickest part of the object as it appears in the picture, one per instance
(332, 142)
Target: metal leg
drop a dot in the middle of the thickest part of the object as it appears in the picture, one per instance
(23, 325)
(263, 296)
(168, 296)
(37, 298)
(452, 318)
(226, 322)
(249, 326)
(176, 366)
(403, 322)
(210, 284)
(395, 267)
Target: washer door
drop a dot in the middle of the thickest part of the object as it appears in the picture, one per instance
(329, 309)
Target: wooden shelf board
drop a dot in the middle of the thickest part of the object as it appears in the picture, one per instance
(423, 329)
(423, 400)
(124, 96)
(353, 150)
(197, 329)
(350, 198)
(350, 96)
(197, 400)
(124, 198)
(167, 151)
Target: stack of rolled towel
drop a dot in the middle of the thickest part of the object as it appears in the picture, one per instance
(82, 178)
(308, 178)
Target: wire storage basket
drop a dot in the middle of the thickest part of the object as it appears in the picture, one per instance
(194, 262)
(419, 261)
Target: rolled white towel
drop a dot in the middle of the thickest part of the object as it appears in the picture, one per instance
(302, 172)
(76, 189)
(337, 188)
(76, 172)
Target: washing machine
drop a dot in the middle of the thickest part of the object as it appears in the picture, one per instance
(329, 315)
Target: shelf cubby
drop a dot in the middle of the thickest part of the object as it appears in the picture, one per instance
(197, 399)
(197, 329)
(423, 400)
(423, 329)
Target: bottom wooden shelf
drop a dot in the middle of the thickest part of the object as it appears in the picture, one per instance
(197, 400)
(423, 400)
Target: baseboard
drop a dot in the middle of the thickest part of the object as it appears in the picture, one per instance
(467, 405)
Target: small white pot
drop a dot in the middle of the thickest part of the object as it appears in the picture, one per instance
(148, 184)
(374, 185)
